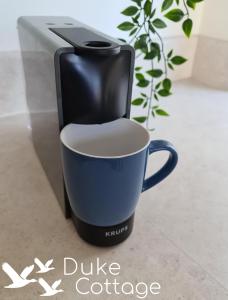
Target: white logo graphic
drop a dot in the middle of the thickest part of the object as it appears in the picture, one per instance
(50, 290)
(44, 268)
(18, 281)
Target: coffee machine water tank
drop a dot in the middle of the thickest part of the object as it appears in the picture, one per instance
(73, 73)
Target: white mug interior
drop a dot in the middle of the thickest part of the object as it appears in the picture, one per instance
(119, 138)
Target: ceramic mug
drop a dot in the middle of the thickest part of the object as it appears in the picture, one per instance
(104, 169)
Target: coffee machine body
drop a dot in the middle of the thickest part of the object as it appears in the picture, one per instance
(73, 74)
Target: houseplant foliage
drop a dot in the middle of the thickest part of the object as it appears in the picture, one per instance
(144, 25)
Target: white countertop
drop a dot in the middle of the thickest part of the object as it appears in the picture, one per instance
(180, 236)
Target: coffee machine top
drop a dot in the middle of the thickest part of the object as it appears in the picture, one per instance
(93, 71)
(85, 41)
(69, 33)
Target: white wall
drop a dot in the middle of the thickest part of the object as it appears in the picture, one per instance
(211, 59)
(102, 14)
(215, 19)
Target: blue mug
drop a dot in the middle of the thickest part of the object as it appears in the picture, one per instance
(104, 169)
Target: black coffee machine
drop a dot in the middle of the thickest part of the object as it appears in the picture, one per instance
(73, 73)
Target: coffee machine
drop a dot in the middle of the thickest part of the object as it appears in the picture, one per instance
(73, 74)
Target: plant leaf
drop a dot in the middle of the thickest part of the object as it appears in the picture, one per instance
(143, 83)
(153, 13)
(140, 119)
(144, 95)
(170, 66)
(166, 4)
(156, 47)
(151, 55)
(191, 4)
(158, 23)
(167, 84)
(170, 53)
(137, 101)
(145, 104)
(157, 86)
(164, 93)
(135, 19)
(177, 2)
(197, 1)
(147, 7)
(138, 68)
(141, 43)
(156, 97)
(130, 11)
(139, 76)
(161, 112)
(151, 28)
(187, 27)
(125, 26)
(133, 31)
(155, 73)
(178, 60)
(175, 15)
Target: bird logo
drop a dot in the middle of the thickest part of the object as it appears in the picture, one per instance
(50, 290)
(21, 280)
(44, 268)
(18, 281)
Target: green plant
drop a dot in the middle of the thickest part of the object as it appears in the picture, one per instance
(144, 26)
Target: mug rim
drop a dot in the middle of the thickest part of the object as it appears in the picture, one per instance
(102, 156)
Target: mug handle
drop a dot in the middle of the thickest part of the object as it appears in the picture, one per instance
(155, 146)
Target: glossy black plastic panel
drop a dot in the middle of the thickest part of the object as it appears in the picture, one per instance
(95, 88)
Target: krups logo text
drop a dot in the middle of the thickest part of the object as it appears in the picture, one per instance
(116, 232)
